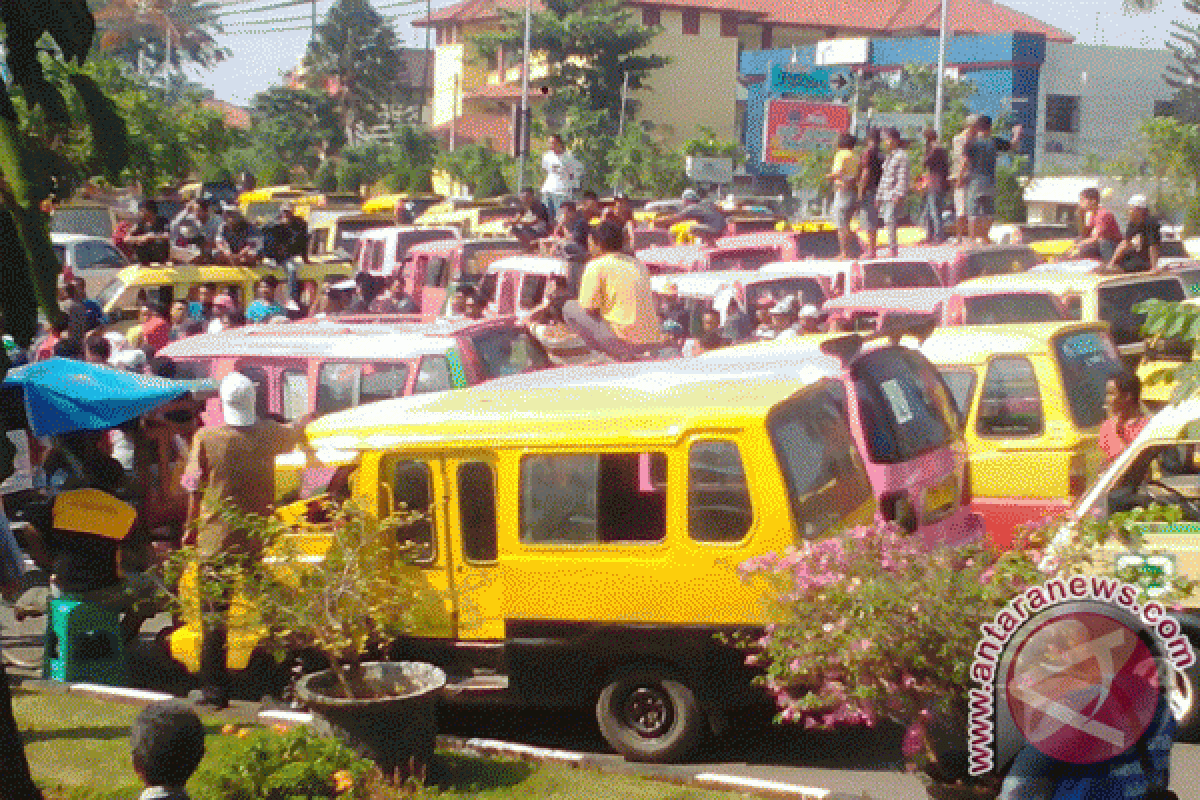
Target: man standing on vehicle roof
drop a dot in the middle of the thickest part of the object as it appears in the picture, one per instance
(958, 146)
(563, 175)
(151, 237)
(709, 221)
(937, 175)
(1138, 250)
(870, 173)
(893, 186)
(234, 464)
(615, 313)
(979, 172)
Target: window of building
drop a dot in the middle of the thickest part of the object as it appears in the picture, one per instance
(477, 510)
(651, 17)
(691, 22)
(718, 498)
(594, 498)
(1164, 108)
(1062, 113)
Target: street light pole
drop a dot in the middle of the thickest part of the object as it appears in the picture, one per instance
(940, 99)
(425, 64)
(524, 98)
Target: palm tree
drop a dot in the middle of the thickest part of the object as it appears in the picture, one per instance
(152, 34)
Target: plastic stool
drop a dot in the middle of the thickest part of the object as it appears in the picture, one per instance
(83, 644)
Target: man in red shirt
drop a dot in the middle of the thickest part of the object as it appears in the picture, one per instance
(1123, 401)
(1101, 231)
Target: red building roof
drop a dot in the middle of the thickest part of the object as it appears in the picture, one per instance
(477, 128)
(858, 16)
(235, 116)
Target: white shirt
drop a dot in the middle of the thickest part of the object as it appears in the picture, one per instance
(563, 172)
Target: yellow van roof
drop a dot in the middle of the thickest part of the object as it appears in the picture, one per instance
(974, 344)
(162, 274)
(616, 404)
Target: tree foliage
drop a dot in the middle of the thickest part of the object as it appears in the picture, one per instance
(356, 56)
(297, 126)
(154, 34)
(1167, 151)
(588, 46)
(477, 166)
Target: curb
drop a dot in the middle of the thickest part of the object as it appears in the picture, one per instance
(485, 747)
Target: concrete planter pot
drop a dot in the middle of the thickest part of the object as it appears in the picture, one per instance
(397, 728)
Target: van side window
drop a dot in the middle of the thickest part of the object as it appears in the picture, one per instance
(294, 387)
(531, 291)
(411, 491)
(337, 387)
(435, 271)
(593, 499)
(823, 474)
(262, 386)
(961, 383)
(477, 510)
(718, 498)
(1009, 402)
(382, 382)
(434, 375)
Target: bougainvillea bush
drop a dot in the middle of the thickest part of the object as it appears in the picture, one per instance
(872, 624)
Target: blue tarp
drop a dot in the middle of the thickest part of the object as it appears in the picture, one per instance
(62, 395)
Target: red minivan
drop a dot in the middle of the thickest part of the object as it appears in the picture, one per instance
(433, 269)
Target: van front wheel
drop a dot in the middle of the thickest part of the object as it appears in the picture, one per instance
(648, 716)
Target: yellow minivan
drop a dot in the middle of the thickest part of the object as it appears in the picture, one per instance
(162, 284)
(1094, 297)
(586, 526)
(1031, 398)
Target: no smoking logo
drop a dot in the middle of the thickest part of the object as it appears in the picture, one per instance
(1082, 687)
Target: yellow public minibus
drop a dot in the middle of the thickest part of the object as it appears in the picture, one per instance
(585, 526)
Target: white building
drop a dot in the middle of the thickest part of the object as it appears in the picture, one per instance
(1091, 101)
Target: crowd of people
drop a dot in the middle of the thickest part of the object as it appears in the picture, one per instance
(875, 182)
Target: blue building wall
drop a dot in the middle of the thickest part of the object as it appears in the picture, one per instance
(1003, 67)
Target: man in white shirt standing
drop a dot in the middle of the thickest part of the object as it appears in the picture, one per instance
(563, 175)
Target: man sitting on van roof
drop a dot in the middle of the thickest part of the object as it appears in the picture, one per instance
(615, 313)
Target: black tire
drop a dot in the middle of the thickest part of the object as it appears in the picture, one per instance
(1185, 700)
(647, 715)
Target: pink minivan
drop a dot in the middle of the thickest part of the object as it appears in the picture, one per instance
(902, 417)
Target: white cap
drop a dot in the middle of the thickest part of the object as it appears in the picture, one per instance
(785, 306)
(690, 196)
(810, 311)
(238, 397)
(1138, 201)
(129, 359)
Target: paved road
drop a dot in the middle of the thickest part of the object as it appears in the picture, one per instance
(853, 761)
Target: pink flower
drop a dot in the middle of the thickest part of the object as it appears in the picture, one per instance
(914, 740)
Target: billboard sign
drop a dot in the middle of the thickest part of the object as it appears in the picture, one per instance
(813, 82)
(830, 52)
(794, 127)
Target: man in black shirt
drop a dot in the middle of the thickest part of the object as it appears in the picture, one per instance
(1138, 251)
(285, 240)
(151, 237)
(533, 222)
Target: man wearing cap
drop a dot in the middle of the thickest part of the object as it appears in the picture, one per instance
(1138, 250)
(709, 222)
(783, 317)
(233, 464)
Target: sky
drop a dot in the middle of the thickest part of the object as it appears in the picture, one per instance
(269, 43)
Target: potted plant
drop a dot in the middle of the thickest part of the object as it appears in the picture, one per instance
(871, 624)
(345, 584)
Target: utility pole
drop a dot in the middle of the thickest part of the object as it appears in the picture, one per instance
(940, 98)
(313, 34)
(624, 97)
(425, 65)
(525, 98)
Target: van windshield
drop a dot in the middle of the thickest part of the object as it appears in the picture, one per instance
(1001, 261)
(904, 405)
(1086, 360)
(900, 275)
(349, 231)
(1115, 303)
(508, 351)
(822, 471)
(807, 290)
(1016, 308)
(747, 258)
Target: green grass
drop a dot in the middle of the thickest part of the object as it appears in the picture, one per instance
(78, 749)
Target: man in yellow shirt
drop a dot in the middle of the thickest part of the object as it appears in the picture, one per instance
(615, 313)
